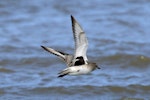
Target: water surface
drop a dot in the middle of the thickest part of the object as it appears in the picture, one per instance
(118, 34)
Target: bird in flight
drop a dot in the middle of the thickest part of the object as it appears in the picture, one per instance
(78, 63)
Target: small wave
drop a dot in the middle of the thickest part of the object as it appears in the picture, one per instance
(137, 92)
(128, 60)
(5, 70)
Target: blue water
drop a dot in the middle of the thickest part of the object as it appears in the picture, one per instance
(118, 33)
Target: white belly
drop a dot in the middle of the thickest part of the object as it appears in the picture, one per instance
(78, 70)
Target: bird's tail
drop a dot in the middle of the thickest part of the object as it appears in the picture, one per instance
(64, 72)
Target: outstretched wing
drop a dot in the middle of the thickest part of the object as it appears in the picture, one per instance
(57, 53)
(81, 42)
(67, 58)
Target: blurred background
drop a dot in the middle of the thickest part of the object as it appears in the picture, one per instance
(118, 33)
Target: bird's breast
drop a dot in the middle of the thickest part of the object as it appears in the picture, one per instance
(78, 70)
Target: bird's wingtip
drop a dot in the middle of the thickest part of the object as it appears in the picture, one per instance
(72, 18)
(43, 46)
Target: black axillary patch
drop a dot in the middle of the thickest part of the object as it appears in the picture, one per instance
(80, 61)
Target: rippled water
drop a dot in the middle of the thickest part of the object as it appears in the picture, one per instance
(118, 33)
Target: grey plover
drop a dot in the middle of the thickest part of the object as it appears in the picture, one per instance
(78, 63)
